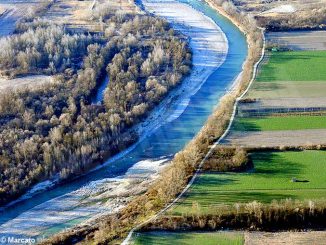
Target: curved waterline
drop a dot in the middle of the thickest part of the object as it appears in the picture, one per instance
(170, 137)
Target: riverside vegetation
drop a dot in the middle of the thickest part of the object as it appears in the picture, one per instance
(111, 229)
(54, 130)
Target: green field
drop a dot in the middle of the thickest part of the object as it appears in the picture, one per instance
(271, 179)
(294, 66)
(291, 74)
(279, 123)
(191, 238)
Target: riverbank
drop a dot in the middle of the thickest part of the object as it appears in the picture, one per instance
(219, 122)
(209, 45)
(209, 51)
(172, 181)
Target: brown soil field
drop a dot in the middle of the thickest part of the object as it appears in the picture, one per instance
(287, 89)
(289, 238)
(298, 40)
(286, 138)
(283, 104)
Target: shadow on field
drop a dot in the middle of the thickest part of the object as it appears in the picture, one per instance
(267, 86)
(269, 71)
(269, 164)
(244, 125)
(250, 196)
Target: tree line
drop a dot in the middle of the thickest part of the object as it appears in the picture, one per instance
(278, 215)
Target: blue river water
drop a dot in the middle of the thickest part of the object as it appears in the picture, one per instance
(171, 137)
(99, 96)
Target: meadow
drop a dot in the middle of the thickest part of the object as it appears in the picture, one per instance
(291, 74)
(288, 122)
(298, 66)
(191, 238)
(270, 179)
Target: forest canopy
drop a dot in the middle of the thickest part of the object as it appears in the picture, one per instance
(55, 130)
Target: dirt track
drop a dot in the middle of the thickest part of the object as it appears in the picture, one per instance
(276, 138)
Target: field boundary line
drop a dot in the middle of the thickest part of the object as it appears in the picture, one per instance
(255, 68)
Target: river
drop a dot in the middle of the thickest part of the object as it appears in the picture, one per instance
(159, 146)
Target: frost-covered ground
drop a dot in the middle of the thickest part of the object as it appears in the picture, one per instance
(10, 12)
(286, 8)
(13, 10)
(31, 82)
(209, 46)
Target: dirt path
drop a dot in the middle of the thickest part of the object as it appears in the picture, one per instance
(276, 138)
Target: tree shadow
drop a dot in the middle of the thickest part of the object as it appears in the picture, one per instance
(268, 71)
(250, 196)
(244, 125)
(267, 164)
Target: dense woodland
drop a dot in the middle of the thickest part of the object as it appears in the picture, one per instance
(43, 48)
(54, 130)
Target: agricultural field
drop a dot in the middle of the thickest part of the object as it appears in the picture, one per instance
(300, 66)
(287, 98)
(276, 138)
(287, 122)
(287, 89)
(230, 238)
(189, 238)
(291, 74)
(290, 238)
(298, 40)
(275, 176)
